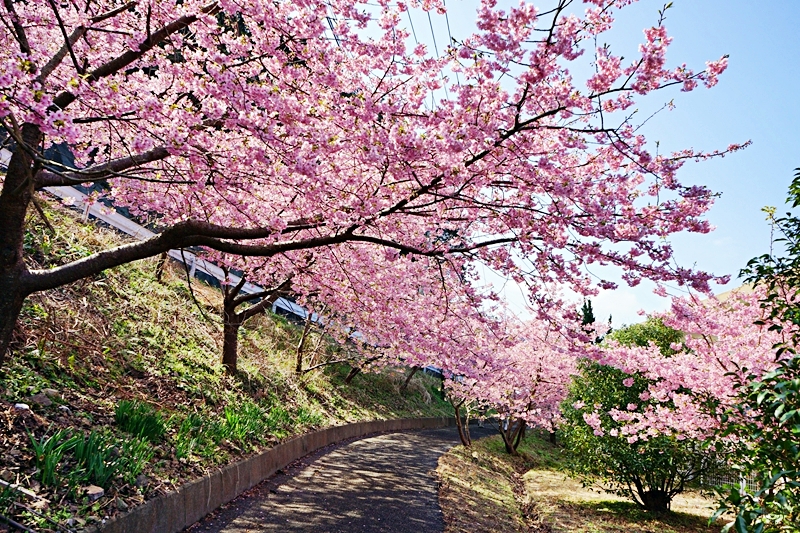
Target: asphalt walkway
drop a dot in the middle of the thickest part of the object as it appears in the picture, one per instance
(381, 484)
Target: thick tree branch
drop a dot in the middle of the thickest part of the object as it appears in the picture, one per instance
(243, 298)
(255, 309)
(181, 235)
(431, 253)
(49, 178)
(232, 292)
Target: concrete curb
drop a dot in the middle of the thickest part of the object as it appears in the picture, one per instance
(174, 511)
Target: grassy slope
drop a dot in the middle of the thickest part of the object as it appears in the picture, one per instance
(122, 335)
(484, 489)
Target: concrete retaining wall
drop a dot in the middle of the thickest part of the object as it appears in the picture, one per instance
(172, 512)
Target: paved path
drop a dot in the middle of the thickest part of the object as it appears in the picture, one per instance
(378, 484)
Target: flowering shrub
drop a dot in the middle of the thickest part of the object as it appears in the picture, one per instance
(602, 445)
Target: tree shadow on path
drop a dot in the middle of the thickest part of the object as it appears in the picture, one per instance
(383, 483)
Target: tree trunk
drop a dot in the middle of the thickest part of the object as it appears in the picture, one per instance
(553, 437)
(10, 307)
(231, 322)
(404, 386)
(520, 434)
(162, 262)
(512, 435)
(463, 433)
(15, 196)
(656, 501)
(353, 373)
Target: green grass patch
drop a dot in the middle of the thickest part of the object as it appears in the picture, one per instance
(141, 420)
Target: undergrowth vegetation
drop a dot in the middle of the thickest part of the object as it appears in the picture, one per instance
(484, 489)
(115, 382)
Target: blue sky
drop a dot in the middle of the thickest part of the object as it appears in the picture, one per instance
(758, 99)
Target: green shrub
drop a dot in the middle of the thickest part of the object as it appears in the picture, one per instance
(650, 472)
(766, 445)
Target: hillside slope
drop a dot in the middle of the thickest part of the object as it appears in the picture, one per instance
(123, 389)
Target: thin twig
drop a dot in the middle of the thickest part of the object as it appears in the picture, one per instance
(39, 210)
(191, 289)
(16, 524)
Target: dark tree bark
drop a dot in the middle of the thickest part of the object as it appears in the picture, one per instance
(512, 435)
(462, 425)
(232, 320)
(15, 197)
(353, 373)
(656, 501)
(10, 307)
(520, 434)
(404, 386)
(162, 263)
(230, 342)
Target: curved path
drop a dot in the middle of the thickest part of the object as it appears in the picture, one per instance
(382, 483)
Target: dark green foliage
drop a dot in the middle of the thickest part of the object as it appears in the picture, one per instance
(768, 447)
(587, 313)
(651, 330)
(80, 459)
(650, 472)
(769, 436)
(189, 439)
(243, 423)
(100, 458)
(141, 420)
(47, 454)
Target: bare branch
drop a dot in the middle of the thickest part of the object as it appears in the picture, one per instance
(67, 38)
(102, 171)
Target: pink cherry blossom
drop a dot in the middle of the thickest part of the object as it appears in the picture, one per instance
(244, 129)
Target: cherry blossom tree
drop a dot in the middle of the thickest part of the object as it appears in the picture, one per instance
(244, 128)
(649, 467)
(523, 375)
(690, 386)
(386, 307)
